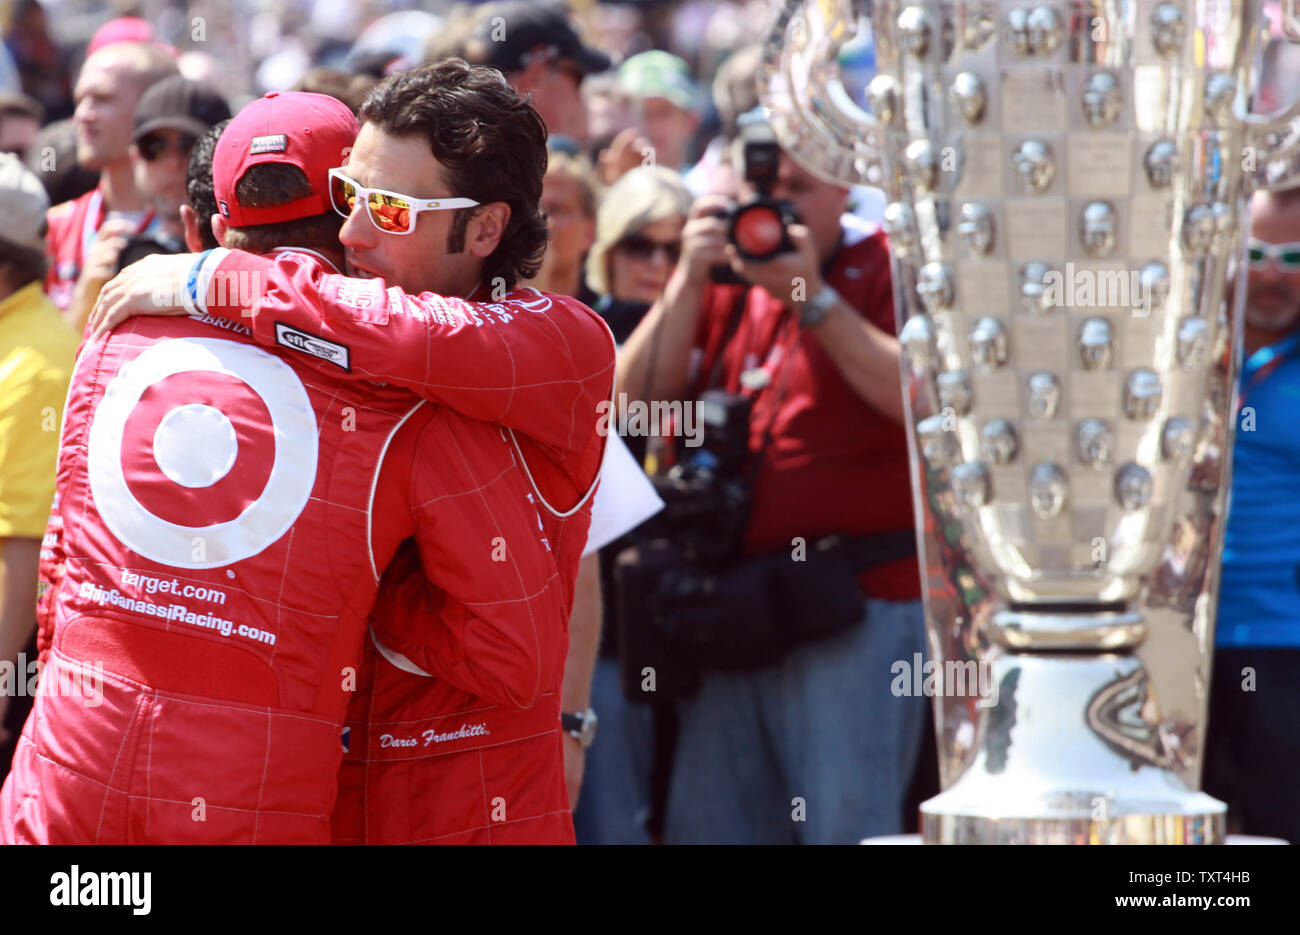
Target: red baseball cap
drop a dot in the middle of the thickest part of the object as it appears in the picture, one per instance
(314, 132)
(122, 29)
(126, 29)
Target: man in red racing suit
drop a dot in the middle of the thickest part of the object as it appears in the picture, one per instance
(236, 737)
(205, 647)
(434, 752)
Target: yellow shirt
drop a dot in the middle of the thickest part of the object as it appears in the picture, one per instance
(37, 353)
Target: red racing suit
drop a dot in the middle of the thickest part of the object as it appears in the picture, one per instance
(437, 753)
(221, 545)
(72, 229)
(73, 226)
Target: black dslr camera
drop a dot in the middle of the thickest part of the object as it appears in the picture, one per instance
(758, 227)
(706, 494)
(669, 595)
(143, 245)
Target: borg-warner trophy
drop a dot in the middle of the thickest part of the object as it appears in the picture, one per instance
(1067, 185)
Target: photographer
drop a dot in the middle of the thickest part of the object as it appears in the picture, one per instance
(791, 733)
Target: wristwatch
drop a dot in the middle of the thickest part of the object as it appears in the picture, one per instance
(581, 726)
(816, 309)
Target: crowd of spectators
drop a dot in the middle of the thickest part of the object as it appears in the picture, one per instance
(108, 104)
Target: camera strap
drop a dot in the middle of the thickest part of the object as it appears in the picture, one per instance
(734, 320)
(733, 325)
(783, 368)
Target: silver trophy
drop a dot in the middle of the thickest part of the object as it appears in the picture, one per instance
(1067, 187)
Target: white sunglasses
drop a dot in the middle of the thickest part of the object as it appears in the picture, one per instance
(391, 212)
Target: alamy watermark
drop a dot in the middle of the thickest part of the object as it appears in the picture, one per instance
(60, 678)
(225, 288)
(1083, 288)
(77, 887)
(638, 418)
(960, 678)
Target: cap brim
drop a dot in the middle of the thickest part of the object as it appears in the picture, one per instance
(679, 99)
(591, 61)
(190, 125)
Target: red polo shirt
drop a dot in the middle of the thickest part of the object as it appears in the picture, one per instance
(833, 464)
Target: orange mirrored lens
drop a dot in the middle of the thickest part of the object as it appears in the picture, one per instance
(342, 194)
(390, 214)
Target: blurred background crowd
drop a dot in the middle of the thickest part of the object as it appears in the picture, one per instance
(109, 104)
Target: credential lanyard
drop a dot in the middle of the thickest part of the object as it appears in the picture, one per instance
(778, 357)
(96, 213)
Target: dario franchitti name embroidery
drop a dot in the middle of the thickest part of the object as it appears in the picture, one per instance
(431, 736)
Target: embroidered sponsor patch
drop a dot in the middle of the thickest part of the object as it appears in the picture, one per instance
(313, 344)
(275, 143)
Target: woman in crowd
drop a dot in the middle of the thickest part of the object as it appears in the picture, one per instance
(638, 240)
(569, 196)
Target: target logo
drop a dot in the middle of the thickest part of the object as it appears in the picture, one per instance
(202, 438)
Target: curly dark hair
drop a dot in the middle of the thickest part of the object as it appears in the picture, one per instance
(491, 144)
(198, 182)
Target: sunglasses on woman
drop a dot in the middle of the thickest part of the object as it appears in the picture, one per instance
(391, 212)
(639, 247)
(1286, 254)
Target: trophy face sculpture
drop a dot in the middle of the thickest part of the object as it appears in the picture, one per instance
(1067, 187)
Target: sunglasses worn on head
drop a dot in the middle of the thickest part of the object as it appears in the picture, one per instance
(639, 247)
(153, 145)
(1286, 254)
(391, 212)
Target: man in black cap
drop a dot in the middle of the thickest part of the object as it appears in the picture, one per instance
(536, 48)
(170, 116)
(169, 119)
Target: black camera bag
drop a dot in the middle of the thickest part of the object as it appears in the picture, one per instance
(678, 618)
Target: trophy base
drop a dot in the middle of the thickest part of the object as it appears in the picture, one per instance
(1148, 823)
(1068, 754)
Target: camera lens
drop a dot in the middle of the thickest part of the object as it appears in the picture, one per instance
(759, 231)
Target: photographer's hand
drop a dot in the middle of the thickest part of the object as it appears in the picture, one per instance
(704, 240)
(793, 277)
(866, 356)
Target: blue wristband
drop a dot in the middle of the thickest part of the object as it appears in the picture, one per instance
(189, 297)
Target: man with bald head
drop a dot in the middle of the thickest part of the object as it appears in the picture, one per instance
(84, 231)
(1253, 746)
